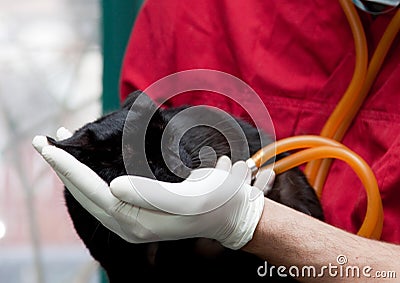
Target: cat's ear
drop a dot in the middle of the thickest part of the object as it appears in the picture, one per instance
(81, 138)
(143, 118)
(142, 110)
(138, 98)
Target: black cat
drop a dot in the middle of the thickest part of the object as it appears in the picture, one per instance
(99, 145)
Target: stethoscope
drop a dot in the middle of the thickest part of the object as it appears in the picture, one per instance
(377, 7)
(318, 151)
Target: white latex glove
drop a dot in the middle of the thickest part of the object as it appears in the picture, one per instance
(217, 203)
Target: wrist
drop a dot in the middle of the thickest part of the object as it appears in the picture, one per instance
(254, 244)
(243, 231)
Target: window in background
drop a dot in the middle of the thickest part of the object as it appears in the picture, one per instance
(50, 75)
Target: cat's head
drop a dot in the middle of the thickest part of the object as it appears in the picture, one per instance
(126, 140)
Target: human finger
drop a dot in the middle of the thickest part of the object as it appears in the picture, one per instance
(265, 180)
(79, 175)
(39, 142)
(224, 163)
(63, 133)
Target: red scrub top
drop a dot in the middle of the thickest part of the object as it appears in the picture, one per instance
(299, 57)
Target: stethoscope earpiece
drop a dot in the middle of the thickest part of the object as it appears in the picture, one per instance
(377, 7)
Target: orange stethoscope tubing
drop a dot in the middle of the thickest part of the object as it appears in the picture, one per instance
(321, 147)
(327, 145)
(341, 114)
(349, 105)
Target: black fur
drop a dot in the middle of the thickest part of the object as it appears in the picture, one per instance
(99, 146)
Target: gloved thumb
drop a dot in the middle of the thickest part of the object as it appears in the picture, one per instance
(63, 134)
(209, 189)
(265, 180)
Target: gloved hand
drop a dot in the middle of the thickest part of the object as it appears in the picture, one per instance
(217, 203)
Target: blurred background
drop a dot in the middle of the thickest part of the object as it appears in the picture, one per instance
(59, 65)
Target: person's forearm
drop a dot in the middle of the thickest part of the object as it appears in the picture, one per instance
(316, 251)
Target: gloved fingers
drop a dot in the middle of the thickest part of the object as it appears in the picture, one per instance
(80, 176)
(224, 163)
(128, 189)
(187, 198)
(106, 219)
(241, 170)
(248, 175)
(265, 180)
(197, 175)
(134, 230)
(63, 134)
(156, 195)
(39, 142)
(141, 225)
